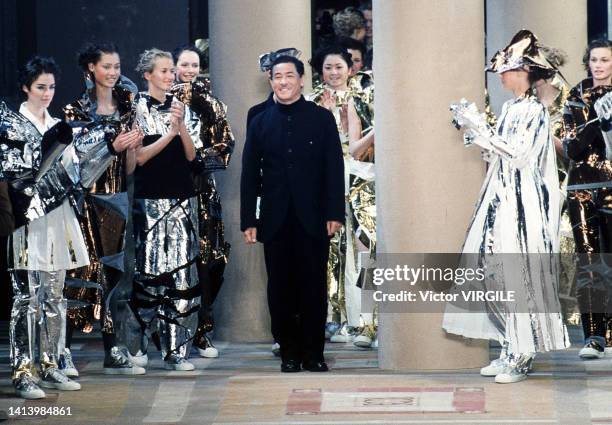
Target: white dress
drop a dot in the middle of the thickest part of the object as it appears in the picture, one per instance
(54, 241)
(517, 213)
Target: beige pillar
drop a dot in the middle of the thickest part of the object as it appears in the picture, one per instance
(427, 54)
(557, 23)
(240, 30)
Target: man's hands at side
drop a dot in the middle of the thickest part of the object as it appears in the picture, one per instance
(250, 234)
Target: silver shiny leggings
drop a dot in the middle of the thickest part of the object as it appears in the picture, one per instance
(39, 310)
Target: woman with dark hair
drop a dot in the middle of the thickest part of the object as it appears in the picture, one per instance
(513, 234)
(586, 138)
(107, 100)
(351, 106)
(166, 293)
(47, 168)
(43, 246)
(213, 151)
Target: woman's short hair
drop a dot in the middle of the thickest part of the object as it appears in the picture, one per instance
(146, 61)
(92, 52)
(347, 21)
(319, 57)
(595, 44)
(36, 66)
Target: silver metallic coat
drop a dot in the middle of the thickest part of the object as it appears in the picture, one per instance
(517, 213)
(166, 293)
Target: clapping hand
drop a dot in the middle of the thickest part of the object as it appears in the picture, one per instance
(177, 111)
(328, 100)
(128, 140)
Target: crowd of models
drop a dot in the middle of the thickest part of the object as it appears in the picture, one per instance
(82, 187)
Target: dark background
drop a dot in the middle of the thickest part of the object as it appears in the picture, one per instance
(59, 28)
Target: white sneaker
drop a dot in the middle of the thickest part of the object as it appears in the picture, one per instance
(117, 363)
(206, 348)
(510, 376)
(53, 378)
(494, 368)
(178, 363)
(67, 366)
(276, 349)
(592, 350)
(139, 359)
(209, 352)
(343, 335)
(363, 341)
(26, 388)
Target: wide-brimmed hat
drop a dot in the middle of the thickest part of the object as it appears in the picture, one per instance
(522, 51)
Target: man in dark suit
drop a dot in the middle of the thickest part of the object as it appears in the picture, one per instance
(293, 153)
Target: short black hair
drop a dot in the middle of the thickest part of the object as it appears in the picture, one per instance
(36, 66)
(92, 52)
(319, 57)
(186, 48)
(595, 44)
(299, 65)
(351, 43)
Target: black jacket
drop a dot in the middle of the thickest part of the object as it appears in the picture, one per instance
(259, 108)
(293, 152)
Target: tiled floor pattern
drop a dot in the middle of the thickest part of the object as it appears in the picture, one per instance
(244, 386)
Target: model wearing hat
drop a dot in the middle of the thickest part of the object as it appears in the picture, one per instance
(517, 213)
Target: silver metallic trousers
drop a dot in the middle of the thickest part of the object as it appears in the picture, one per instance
(39, 313)
(166, 292)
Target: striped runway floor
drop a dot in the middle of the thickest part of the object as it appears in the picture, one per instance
(244, 386)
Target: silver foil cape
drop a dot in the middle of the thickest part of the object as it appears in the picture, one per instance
(517, 213)
(167, 292)
(77, 165)
(20, 150)
(39, 304)
(166, 295)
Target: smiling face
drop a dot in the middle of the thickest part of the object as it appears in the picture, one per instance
(286, 83)
(187, 66)
(41, 91)
(107, 70)
(600, 65)
(162, 75)
(335, 72)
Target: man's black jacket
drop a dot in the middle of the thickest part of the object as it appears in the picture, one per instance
(293, 152)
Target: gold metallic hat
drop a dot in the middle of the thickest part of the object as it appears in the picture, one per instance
(523, 50)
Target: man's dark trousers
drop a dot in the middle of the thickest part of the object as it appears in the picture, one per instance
(297, 290)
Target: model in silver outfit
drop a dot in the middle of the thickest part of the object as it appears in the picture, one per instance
(514, 231)
(166, 295)
(45, 168)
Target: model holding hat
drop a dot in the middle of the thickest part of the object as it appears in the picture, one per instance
(517, 213)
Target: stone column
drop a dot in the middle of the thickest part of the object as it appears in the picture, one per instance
(240, 30)
(556, 23)
(427, 54)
